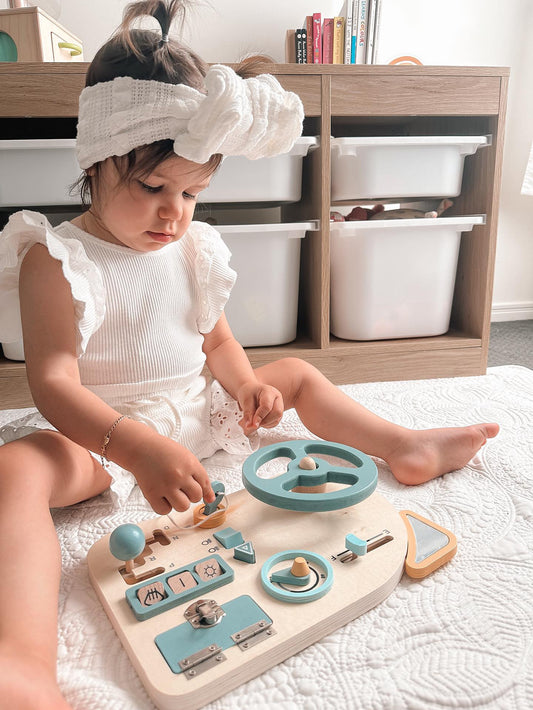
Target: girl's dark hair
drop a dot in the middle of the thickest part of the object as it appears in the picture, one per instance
(146, 54)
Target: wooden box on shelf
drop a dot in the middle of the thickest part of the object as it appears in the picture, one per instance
(28, 34)
(347, 100)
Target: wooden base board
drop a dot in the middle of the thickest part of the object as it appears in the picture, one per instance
(357, 586)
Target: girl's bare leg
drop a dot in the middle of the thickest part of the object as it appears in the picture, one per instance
(414, 456)
(40, 471)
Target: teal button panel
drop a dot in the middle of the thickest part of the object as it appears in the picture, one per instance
(184, 640)
(222, 574)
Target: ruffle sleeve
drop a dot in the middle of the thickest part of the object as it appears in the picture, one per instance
(214, 276)
(25, 229)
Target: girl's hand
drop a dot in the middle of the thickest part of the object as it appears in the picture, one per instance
(169, 475)
(262, 405)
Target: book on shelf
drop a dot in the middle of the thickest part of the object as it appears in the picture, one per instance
(317, 38)
(338, 40)
(308, 24)
(300, 45)
(353, 38)
(373, 6)
(348, 28)
(349, 38)
(375, 19)
(327, 41)
(361, 33)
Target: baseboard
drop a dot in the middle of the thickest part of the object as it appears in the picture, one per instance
(522, 310)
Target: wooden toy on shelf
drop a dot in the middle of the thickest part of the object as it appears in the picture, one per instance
(214, 609)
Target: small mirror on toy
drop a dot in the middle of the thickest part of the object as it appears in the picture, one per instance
(299, 487)
(429, 545)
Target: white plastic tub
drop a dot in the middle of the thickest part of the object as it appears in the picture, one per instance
(277, 179)
(14, 351)
(394, 278)
(37, 172)
(400, 166)
(263, 306)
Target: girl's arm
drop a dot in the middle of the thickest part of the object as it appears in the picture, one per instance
(168, 474)
(262, 405)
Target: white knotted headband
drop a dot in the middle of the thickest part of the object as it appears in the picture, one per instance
(254, 117)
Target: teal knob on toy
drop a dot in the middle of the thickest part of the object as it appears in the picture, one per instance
(307, 471)
(127, 542)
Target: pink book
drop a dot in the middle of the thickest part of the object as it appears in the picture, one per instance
(327, 41)
(317, 38)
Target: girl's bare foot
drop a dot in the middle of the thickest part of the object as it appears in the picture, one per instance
(428, 453)
(26, 683)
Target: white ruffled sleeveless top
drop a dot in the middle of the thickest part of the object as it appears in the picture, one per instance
(140, 316)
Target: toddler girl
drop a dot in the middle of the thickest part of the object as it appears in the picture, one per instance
(122, 308)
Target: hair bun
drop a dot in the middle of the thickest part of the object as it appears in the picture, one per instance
(164, 11)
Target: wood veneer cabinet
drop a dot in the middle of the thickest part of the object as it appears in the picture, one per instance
(41, 100)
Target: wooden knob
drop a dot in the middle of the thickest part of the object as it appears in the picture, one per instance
(300, 568)
(307, 463)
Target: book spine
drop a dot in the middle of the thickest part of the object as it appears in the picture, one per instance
(309, 30)
(299, 46)
(348, 28)
(327, 41)
(360, 52)
(353, 39)
(317, 38)
(371, 24)
(376, 32)
(338, 40)
(304, 45)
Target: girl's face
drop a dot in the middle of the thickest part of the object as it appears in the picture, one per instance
(147, 214)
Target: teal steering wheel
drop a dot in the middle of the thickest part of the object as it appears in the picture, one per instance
(359, 482)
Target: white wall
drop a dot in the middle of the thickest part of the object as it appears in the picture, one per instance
(441, 32)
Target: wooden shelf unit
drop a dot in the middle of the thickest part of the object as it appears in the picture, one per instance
(339, 101)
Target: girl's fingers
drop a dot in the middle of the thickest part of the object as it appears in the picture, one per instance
(178, 500)
(270, 410)
(195, 491)
(202, 482)
(161, 506)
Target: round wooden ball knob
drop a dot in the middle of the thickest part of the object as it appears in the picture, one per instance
(126, 542)
(307, 463)
(300, 568)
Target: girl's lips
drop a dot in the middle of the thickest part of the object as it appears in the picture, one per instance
(161, 236)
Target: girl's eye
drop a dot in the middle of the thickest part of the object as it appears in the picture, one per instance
(188, 196)
(150, 188)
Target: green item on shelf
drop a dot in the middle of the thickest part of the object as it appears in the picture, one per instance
(8, 48)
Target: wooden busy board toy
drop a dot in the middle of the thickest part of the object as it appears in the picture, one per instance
(264, 572)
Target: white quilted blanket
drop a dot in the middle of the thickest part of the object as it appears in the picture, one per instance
(462, 638)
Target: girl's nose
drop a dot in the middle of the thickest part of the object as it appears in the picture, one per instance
(171, 208)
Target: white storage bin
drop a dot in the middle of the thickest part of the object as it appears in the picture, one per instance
(14, 351)
(401, 166)
(263, 306)
(277, 179)
(394, 278)
(37, 172)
